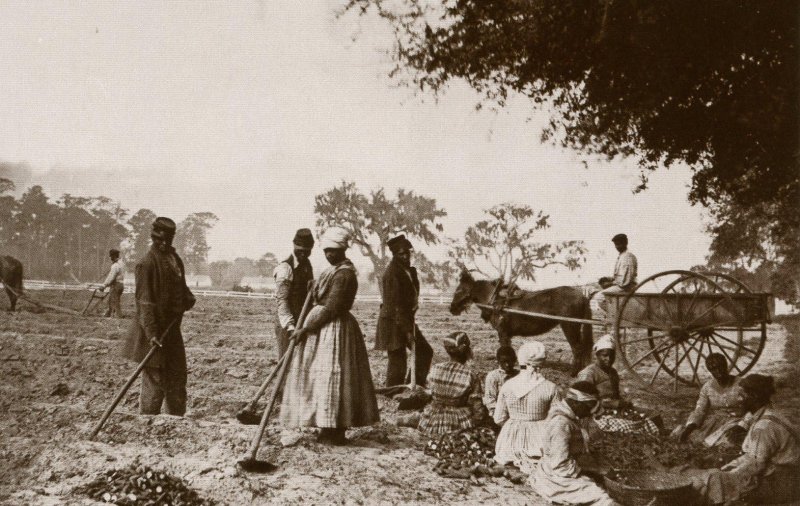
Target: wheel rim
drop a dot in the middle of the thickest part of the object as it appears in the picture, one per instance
(748, 340)
(666, 327)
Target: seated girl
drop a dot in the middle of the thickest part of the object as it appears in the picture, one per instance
(602, 374)
(768, 470)
(719, 406)
(522, 409)
(456, 391)
(507, 360)
(558, 478)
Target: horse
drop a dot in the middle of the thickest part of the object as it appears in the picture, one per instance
(559, 301)
(11, 277)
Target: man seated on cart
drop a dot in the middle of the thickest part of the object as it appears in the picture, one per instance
(618, 414)
(624, 278)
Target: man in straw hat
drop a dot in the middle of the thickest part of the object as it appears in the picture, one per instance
(396, 328)
(292, 277)
(161, 299)
(329, 383)
(115, 283)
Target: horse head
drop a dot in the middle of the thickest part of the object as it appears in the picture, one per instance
(463, 295)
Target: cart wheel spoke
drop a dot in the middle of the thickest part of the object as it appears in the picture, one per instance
(741, 346)
(648, 338)
(660, 365)
(716, 305)
(657, 349)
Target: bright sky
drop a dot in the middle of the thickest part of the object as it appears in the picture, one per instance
(249, 109)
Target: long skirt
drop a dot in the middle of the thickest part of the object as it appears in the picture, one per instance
(568, 490)
(329, 383)
(520, 443)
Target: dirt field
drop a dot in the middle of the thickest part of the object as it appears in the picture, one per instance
(44, 452)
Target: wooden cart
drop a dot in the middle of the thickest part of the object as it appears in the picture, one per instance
(672, 321)
(669, 324)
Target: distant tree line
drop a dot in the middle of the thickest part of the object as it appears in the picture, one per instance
(69, 238)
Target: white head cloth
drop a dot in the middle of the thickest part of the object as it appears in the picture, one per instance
(335, 237)
(530, 355)
(605, 342)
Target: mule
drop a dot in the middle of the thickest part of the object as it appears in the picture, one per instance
(560, 301)
(11, 277)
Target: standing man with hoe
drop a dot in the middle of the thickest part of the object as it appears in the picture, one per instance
(397, 329)
(161, 299)
(292, 277)
(115, 284)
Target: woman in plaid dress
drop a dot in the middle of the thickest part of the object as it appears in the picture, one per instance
(455, 389)
(522, 408)
(329, 384)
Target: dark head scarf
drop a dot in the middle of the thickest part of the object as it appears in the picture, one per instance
(458, 344)
(758, 385)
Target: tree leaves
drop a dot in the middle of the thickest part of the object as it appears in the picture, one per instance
(375, 218)
(505, 245)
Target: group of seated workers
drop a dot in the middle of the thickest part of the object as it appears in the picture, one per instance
(543, 430)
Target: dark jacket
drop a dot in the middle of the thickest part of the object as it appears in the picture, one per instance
(400, 291)
(161, 297)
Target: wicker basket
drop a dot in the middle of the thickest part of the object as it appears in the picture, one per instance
(640, 487)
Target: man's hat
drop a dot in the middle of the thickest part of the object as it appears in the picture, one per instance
(303, 238)
(113, 252)
(397, 243)
(162, 228)
(620, 238)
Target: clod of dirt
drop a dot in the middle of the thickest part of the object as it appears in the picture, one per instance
(140, 485)
(60, 389)
(465, 453)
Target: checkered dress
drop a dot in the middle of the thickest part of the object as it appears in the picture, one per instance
(455, 389)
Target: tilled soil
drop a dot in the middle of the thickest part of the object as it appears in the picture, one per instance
(60, 372)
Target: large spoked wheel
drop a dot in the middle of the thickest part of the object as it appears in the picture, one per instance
(672, 321)
(749, 339)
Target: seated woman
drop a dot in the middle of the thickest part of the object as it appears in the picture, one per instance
(456, 391)
(602, 374)
(768, 470)
(559, 478)
(507, 360)
(522, 408)
(718, 409)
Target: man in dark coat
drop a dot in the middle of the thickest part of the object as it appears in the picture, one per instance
(161, 299)
(396, 325)
(292, 277)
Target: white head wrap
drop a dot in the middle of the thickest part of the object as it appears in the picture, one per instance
(605, 342)
(532, 354)
(335, 237)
